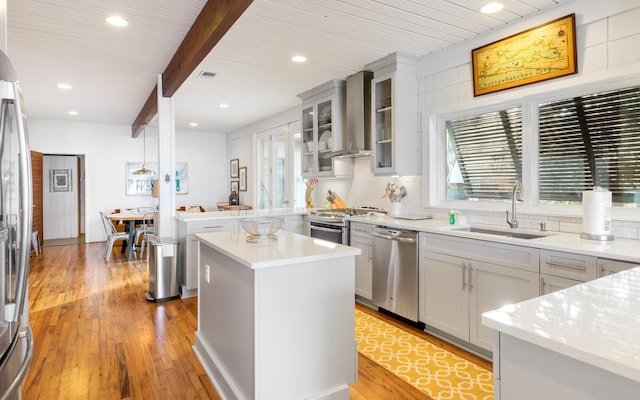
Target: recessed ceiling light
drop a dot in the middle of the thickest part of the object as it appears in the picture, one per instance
(64, 86)
(194, 124)
(299, 59)
(491, 8)
(117, 21)
(74, 113)
(223, 105)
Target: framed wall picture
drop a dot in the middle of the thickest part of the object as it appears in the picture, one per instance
(243, 179)
(182, 178)
(544, 52)
(234, 186)
(60, 180)
(142, 185)
(233, 168)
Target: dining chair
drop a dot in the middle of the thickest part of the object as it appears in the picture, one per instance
(112, 234)
(145, 230)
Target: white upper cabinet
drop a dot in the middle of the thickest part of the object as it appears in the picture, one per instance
(394, 115)
(323, 124)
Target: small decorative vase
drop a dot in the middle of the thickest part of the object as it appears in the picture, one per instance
(396, 208)
(307, 196)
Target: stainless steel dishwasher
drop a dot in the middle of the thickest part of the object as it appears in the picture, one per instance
(395, 271)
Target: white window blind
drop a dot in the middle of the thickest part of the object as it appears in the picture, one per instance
(484, 155)
(590, 140)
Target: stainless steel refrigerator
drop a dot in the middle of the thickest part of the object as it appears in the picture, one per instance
(16, 202)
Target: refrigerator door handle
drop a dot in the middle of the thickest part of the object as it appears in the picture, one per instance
(25, 202)
(16, 384)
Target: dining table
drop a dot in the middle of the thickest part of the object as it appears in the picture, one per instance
(132, 217)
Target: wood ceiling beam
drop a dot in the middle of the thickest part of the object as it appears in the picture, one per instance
(213, 22)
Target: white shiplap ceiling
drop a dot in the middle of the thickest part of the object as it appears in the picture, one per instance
(113, 70)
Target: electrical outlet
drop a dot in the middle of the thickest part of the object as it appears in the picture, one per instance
(207, 273)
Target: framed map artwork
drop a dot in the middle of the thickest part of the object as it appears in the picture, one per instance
(544, 52)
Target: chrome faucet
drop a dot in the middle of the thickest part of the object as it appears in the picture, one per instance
(517, 188)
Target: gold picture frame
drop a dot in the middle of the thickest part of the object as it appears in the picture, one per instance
(544, 52)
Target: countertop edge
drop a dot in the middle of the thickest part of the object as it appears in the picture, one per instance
(618, 249)
(210, 239)
(234, 214)
(495, 320)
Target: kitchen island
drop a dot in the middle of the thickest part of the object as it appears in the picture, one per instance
(276, 319)
(191, 223)
(578, 343)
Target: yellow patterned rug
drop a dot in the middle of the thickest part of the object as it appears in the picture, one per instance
(433, 370)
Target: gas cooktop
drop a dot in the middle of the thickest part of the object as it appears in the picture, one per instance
(344, 212)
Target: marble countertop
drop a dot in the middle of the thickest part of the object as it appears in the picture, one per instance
(595, 322)
(618, 249)
(289, 248)
(215, 215)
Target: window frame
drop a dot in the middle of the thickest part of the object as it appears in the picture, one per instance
(435, 182)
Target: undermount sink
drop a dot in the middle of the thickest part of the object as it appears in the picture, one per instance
(505, 233)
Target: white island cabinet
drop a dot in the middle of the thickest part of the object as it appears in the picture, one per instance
(276, 319)
(581, 343)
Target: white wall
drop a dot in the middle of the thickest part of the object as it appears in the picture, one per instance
(107, 149)
(607, 39)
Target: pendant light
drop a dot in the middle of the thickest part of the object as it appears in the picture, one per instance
(144, 171)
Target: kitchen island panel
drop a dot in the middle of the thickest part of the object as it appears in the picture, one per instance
(283, 331)
(225, 318)
(530, 372)
(305, 321)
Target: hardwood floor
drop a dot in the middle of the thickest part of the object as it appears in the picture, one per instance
(96, 337)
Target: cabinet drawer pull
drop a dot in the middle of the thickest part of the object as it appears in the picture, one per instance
(470, 279)
(214, 227)
(563, 265)
(464, 276)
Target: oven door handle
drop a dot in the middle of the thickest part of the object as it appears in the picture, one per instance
(323, 229)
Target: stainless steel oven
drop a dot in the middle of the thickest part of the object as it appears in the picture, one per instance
(330, 227)
(333, 224)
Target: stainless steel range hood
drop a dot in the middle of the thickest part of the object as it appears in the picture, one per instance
(357, 138)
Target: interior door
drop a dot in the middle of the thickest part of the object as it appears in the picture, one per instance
(37, 173)
(60, 197)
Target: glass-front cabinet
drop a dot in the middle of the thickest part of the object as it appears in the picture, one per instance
(308, 141)
(323, 120)
(394, 116)
(383, 124)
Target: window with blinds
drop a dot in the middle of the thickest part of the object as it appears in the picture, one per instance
(587, 141)
(484, 155)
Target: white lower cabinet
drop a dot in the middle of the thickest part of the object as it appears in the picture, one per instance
(550, 283)
(608, 267)
(188, 250)
(360, 237)
(560, 270)
(293, 223)
(455, 290)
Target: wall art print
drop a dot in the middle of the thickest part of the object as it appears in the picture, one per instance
(544, 52)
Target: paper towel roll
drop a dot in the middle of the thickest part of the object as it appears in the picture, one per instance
(596, 212)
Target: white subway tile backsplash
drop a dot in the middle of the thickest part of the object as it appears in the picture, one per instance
(591, 34)
(570, 227)
(441, 80)
(626, 232)
(624, 24)
(436, 98)
(593, 59)
(624, 52)
(465, 72)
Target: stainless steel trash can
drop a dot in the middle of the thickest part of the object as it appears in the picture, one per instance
(163, 270)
